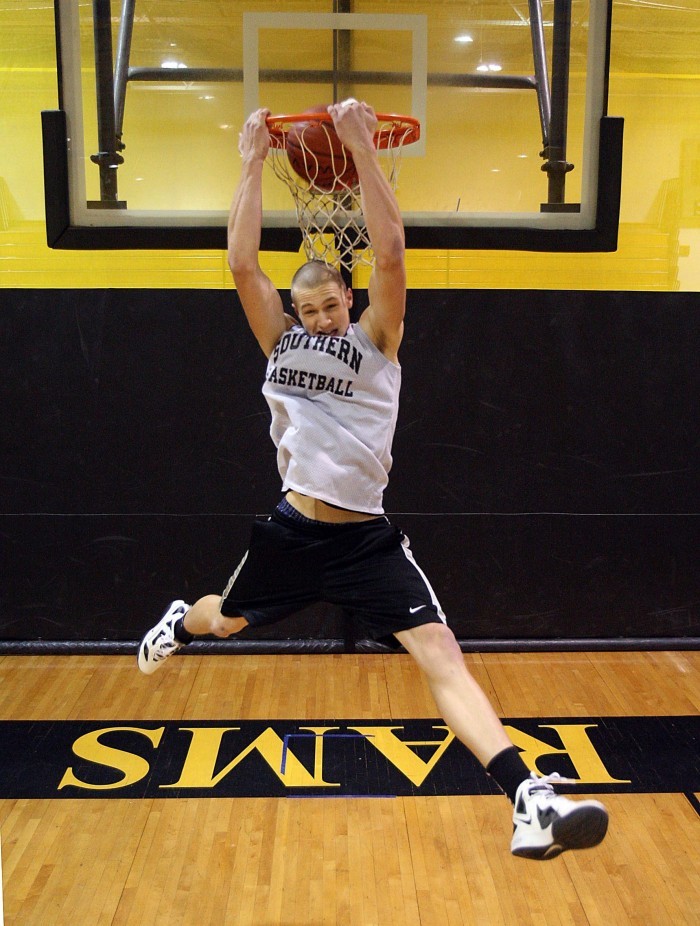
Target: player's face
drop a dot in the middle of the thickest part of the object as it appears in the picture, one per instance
(325, 309)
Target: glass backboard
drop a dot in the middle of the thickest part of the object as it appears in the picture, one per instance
(516, 147)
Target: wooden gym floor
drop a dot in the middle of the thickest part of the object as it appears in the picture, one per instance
(433, 861)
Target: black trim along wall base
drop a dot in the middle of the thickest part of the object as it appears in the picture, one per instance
(295, 647)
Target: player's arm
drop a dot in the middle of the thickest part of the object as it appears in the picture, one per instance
(383, 319)
(260, 300)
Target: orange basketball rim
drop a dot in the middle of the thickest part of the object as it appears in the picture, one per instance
(393, 131)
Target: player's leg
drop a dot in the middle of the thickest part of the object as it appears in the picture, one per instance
(272, 581)
(179, 625)
(458, 696)
(544, 823)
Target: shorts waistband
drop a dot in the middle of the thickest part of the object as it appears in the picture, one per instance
(288, 512)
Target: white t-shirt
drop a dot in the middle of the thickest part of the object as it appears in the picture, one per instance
(334, 402)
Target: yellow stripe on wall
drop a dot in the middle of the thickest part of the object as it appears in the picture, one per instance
(647, 259)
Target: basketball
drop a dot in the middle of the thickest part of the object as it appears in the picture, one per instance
(316, 154)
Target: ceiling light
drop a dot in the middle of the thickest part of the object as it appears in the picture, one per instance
(173, 65)
(464, 39)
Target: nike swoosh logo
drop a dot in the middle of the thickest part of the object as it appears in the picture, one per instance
(419, 608)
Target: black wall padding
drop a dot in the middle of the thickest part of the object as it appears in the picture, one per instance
(546, 461)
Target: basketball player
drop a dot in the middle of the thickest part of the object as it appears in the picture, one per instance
(333, 388)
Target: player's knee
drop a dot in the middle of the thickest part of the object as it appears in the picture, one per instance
(434, 647)
(227, 626)
(443, 645)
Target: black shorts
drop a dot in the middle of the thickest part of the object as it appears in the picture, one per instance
(366, 567)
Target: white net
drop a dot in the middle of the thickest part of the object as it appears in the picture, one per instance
(327, 198)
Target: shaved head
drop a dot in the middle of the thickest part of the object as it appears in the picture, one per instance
(316, 273)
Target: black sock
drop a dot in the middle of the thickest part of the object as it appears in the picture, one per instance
(179, 632)
(508, 771)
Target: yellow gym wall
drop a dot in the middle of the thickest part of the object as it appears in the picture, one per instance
(658, 248)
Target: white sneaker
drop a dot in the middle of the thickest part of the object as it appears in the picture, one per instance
(160, 642)
(546, 824)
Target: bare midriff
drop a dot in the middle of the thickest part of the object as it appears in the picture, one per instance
(317, 510)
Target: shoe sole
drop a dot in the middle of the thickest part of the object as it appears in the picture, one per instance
(143, 655)
(583, 828)
(143, 659)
